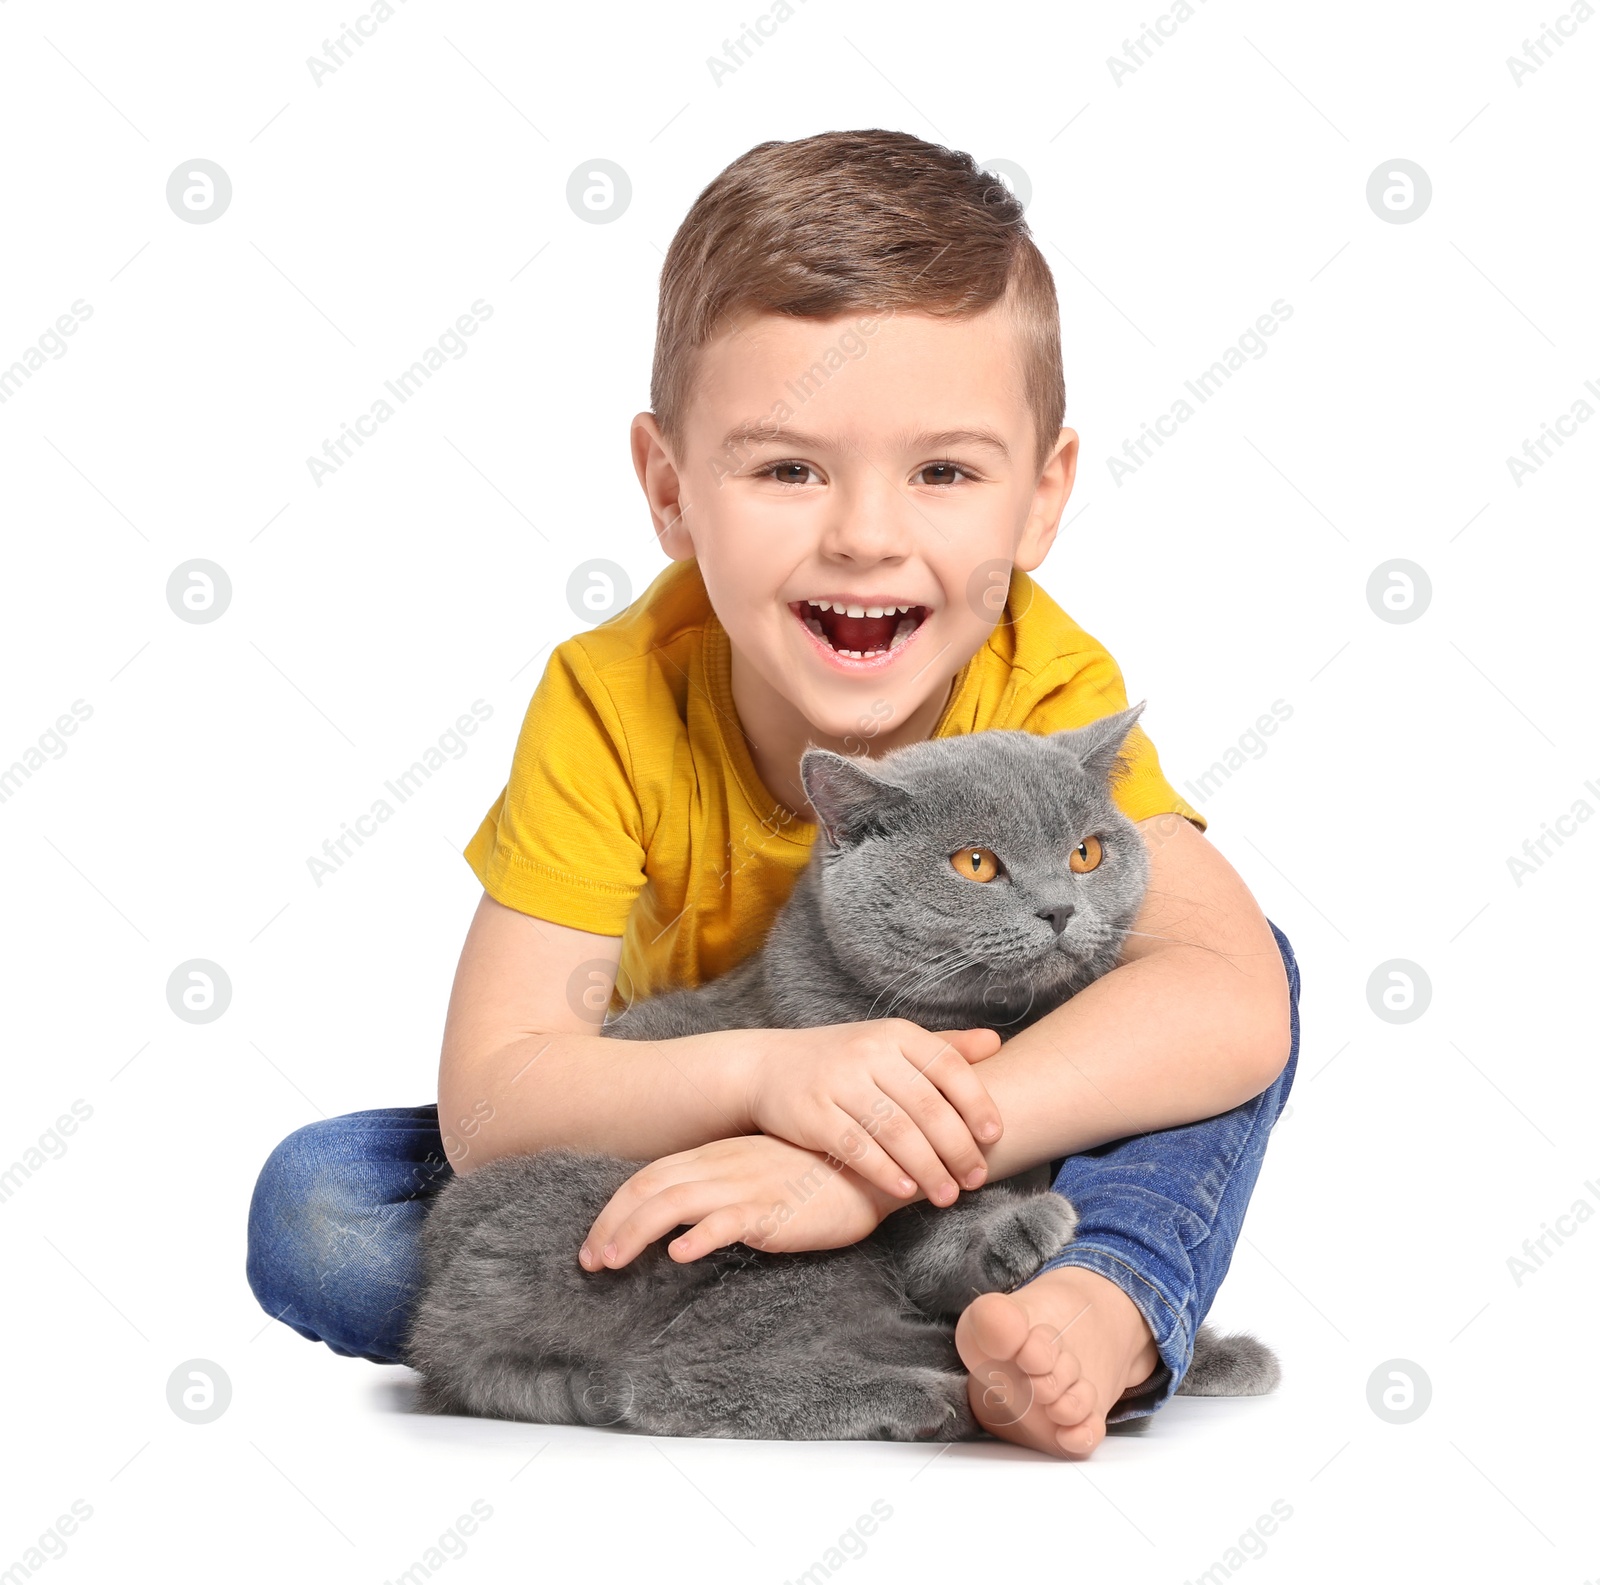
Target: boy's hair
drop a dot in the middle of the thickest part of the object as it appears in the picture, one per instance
(869, 220)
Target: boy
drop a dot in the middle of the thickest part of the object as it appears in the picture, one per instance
(855, 457)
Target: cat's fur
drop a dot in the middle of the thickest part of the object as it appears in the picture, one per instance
(840, 1343)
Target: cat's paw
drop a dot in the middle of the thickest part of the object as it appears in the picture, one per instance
(926, 1406)
(1023, 1235)
(956, 1421)
(602, 1396)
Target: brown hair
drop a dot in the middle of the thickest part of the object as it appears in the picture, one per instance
(841, 221)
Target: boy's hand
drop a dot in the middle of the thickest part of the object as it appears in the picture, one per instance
(755, 1190)
(898, 1104)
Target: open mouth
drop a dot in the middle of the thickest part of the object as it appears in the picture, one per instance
(860, 632)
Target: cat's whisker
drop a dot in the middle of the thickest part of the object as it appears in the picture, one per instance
(901, 987)
(929, 980)
(949, 956)
(1216, 952)
(892, 989)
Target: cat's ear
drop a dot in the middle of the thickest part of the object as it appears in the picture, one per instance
(850, 802)
(1098, 747)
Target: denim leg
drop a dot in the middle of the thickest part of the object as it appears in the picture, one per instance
(334, 1227)
(1159, 1214)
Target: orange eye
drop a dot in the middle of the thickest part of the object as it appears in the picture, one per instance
(977, 864)
(1086, 856)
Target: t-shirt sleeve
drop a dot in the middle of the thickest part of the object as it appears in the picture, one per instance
(565, 841)
(1085, 688)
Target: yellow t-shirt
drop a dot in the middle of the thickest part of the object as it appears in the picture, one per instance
(634, 808)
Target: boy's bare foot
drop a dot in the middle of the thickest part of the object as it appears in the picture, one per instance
(1050, 1360)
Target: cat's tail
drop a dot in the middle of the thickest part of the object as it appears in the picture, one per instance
(1238, 1366)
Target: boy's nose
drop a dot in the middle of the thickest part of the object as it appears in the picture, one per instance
(872, 520)
(1058, 916)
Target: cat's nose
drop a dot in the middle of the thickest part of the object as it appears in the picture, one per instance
(1058, 916)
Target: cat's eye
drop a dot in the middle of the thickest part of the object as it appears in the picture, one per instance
(1086, 856)
(977, 864)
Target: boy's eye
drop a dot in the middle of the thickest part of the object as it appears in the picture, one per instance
(1086, 856)
(942, 473)
(977, 864)
(787, 472)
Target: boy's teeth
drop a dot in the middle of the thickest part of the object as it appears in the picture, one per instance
(856, 610)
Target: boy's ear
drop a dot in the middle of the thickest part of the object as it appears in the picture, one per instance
(850, 802)
(662, 485)
(1098, 746)
(1050, 496)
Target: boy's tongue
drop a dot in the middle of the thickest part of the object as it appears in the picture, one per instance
(864, 633)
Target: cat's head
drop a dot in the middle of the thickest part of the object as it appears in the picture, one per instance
(990, 866)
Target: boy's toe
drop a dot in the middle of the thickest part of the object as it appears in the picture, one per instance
(993, 1327)
(1073, 1406)
(1081, 1440)
(1038, 1354)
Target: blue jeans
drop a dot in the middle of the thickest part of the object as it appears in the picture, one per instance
(337, 1210)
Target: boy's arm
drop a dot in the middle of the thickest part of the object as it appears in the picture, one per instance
(523, 1068)
(1194, 1022)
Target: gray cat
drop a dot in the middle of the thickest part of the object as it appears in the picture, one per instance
(1046, 879)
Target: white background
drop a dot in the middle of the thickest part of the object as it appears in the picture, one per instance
(367, 213)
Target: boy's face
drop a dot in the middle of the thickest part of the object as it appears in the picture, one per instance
(874, 461)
